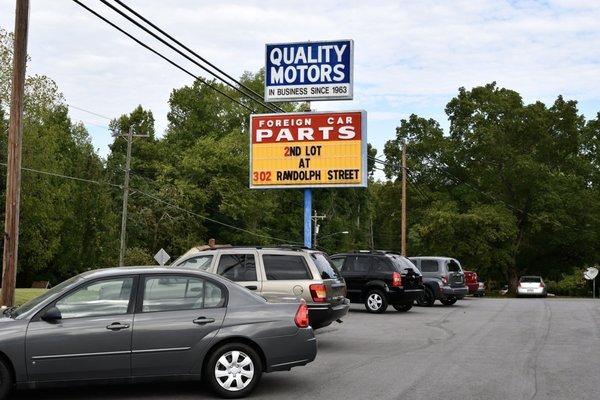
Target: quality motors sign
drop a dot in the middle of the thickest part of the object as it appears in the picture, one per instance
(307, 150)
(309, 71)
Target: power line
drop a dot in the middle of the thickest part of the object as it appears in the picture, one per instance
(162, 56)
(90, 112)
(250, 93)
(55, 174)
(157, 199)
(259, 102)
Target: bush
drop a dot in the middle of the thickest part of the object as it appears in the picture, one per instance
(570, 285)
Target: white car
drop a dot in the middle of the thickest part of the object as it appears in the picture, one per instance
(531, 286)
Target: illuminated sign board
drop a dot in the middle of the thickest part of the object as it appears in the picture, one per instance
(308, 150)
(309, 71)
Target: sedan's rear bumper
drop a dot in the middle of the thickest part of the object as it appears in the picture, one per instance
(531, 291)
(285, 352)
(320, 316)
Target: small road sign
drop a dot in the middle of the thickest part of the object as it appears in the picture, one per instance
(590, 273)
(162, 257)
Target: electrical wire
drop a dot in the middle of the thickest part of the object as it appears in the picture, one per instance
(249, 92)
(157, 199)
(138, 41)
(89, 112)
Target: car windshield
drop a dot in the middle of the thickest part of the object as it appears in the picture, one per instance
(531, 279)
(325, 266)
(404, 264)
(41, 298)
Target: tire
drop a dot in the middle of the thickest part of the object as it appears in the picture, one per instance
(427, 299)
(449, 301)
(222, 359)
(402, 307)
(6, 381)
(375, 302)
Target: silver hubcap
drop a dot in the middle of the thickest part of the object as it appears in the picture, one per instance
(374, 301)
(234, 370)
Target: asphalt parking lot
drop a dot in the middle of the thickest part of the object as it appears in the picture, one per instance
(477, 349)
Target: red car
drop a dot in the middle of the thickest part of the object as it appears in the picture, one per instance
(476, 288)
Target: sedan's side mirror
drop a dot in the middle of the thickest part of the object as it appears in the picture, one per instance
(52, 314)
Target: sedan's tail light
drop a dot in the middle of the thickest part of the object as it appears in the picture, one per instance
(301, 318)
(318, 291)
(396, 279)
(542, 284)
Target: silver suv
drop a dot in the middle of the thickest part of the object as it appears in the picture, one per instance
(300, 272)
(443, 278)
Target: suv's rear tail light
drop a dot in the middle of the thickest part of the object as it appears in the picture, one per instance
(301, 318)
(396, 279)
(445, 280)
(318, 291)
(542, 284)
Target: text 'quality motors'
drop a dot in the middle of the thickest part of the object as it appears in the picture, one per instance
(309, 63)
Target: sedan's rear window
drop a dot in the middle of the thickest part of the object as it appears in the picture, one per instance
(326, 268)
(531, 279)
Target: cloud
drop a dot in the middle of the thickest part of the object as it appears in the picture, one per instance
(409, 56)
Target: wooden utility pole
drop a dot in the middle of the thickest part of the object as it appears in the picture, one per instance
(13, 171)
(403, 228)
(130, 135)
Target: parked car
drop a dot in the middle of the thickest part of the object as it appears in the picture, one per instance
(481, 287)
(472, 281)
(531, 286)
(130, 324)
(296, 271)
(379, 278)
(443, 278)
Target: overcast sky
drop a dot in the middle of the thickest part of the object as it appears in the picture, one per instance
(410, 57)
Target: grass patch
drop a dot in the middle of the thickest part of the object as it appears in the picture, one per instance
(24, 295)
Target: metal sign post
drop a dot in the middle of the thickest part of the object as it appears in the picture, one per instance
(590, 274)
(307, 218)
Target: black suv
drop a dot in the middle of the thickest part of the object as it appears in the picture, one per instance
(379, 278)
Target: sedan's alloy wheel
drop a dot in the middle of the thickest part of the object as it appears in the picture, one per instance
(234, 370)
(375, 301)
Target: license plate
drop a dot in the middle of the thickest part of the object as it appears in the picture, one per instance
(529, 290)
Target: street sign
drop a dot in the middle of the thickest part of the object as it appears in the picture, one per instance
(590, 273)
(162, 257)
(308, 150)
(307, 71)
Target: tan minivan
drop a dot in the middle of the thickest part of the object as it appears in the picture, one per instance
(303, 273)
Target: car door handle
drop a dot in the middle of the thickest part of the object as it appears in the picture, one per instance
(117, 326)
(203, 320)
(252, 287)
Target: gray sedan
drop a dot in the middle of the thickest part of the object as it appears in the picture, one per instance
(143, 323)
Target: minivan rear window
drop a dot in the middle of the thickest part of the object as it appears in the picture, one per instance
(429, 266)
(326, 268)
(453, 266)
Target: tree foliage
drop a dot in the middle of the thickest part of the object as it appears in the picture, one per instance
(509, 189)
